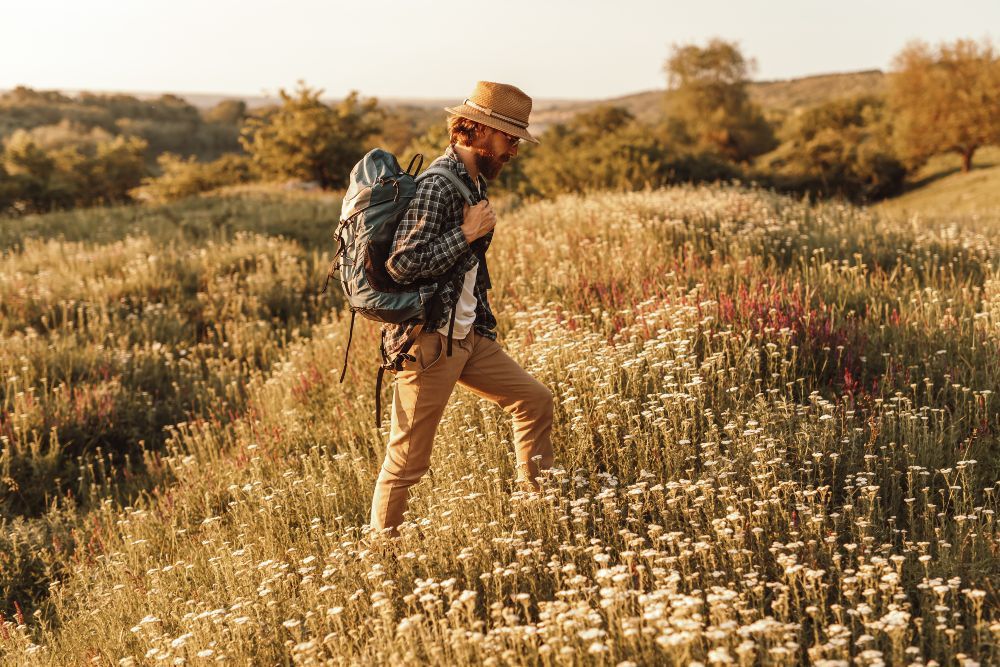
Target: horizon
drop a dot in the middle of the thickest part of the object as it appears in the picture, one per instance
(402, 100)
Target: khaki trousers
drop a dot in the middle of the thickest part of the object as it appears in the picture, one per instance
(421, 392)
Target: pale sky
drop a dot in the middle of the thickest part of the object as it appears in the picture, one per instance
(432, 48)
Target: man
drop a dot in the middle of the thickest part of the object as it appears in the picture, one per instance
(441, 243)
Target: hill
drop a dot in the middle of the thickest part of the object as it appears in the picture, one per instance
(791, 95)
(780, 97)
(775, 424)
(941, 189)
(783, 96)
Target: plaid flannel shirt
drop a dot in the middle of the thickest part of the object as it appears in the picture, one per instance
(430, 244)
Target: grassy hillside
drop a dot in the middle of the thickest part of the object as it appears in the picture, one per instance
(777, 97)
(118, 324)
(793, 94)
(776, 437)
(940, 188)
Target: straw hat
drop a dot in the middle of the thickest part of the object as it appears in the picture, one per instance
(500, 106)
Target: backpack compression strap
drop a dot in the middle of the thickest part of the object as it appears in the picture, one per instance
(394, 365)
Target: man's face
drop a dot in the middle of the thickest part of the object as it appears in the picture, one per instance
(493, 150)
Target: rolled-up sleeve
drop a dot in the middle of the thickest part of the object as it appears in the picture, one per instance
(429, 239)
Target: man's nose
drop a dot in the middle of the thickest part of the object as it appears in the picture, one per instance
(513, 151)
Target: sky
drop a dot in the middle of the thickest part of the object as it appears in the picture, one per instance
(558, 49)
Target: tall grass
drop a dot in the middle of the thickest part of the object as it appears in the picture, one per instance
(105, 343)
(776, 443)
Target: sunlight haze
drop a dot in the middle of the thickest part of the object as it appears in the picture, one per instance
(429, 48)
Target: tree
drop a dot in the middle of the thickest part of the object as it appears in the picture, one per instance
(30, 168)
(404, 125)
(430, 144)
(8, 190)
(947, 99)
(226, 112)
(81, 173)
(596, 149)
(220, 133)
(116, 167)
(180, 177)
(841, 148)
(608, 149)
(309, 140)
(708, 105)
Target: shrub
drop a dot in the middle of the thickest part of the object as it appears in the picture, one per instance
(608, 149)
(183, 177)
(73, 173)
(307, 139)
(841, 148)
(8, 191)
(709, 103)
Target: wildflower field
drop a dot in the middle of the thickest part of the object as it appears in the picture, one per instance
(776, 443)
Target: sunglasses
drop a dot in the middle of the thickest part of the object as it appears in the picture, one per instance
(511, 140)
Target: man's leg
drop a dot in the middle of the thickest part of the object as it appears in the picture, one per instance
(492, 374)
(420, 394)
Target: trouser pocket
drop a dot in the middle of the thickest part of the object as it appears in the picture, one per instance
(428, 350)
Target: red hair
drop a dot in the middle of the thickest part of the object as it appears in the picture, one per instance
(464, 131)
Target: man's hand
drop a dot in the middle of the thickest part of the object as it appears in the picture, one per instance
(478, 220)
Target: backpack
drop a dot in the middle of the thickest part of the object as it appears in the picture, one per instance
(378, 195)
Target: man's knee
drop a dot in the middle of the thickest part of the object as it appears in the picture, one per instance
(402, 476)
(536, 403)
(545, 401)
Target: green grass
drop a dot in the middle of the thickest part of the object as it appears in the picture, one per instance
(307, 219)
(940, 187)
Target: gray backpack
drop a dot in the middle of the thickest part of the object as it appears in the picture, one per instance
(379, 193)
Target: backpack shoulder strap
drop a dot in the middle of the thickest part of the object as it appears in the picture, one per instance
(452, 177)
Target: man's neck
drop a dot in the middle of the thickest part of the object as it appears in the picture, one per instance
(468, 158)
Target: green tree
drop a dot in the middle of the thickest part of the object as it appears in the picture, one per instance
(226, 112)
(182, 177)
(307, 139)
(24, 108)
(31, 168)
(708, 104)
(840, 148)
(72, 174)
(430, 144)
(947, 99)
(8, 191)
(404, 124)
(607, 149)
(116, 167)
(220, 133)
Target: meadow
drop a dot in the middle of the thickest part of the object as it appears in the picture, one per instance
(776, 442)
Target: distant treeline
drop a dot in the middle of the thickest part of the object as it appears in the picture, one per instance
(60, 152)
(940, 100)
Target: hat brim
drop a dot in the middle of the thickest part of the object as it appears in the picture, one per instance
(466, 111)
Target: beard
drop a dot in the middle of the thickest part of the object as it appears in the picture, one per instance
(488, 163)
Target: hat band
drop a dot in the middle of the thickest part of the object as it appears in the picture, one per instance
(494, 114)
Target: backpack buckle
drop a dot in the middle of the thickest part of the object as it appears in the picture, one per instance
(396, 364)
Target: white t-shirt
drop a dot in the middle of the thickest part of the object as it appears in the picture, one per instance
(466, 313)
